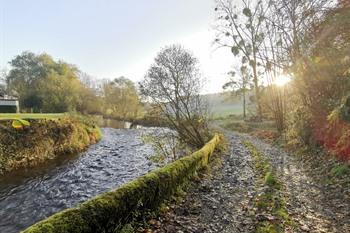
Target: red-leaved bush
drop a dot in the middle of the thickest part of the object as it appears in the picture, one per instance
(337, 136)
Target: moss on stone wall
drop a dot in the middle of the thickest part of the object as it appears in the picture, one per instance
(109, 211)
(42, 140)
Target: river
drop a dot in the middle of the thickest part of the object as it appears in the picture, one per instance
(28, 196)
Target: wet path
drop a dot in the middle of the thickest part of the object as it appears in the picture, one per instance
(223, 202)
(29, 196)
(314, 207)
(217, 203)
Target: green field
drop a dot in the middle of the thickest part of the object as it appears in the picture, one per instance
(11, 116)
(223, 104)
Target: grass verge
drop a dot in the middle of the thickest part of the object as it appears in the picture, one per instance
(28, 116)
(271, 213)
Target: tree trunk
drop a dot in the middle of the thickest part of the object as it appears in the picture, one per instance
(244, 105)
(257, 91)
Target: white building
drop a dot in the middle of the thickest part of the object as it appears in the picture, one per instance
(8, 104)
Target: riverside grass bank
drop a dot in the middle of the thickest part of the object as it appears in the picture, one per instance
(46, 136)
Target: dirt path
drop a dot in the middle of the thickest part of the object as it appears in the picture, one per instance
(223, 202)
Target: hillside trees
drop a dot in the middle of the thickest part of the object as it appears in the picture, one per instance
(288, 50)
(292, 23)
(90, 95)
(173, 84)
(45, 85)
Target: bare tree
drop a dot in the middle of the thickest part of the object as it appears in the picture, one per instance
(293, 21)
(239, 27)
(173, 83)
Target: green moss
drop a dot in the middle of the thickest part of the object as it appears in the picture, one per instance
(163, 209)
(271, 200)
(267, 227)
(66, 221)
(271, 180)
(340, 170)
(110, 211)
(283, 214)
(127, 229)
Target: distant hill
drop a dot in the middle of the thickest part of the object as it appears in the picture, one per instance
(224, 104)
(221, 104)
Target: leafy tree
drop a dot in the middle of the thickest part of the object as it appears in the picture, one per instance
(59, 93)
(121, 98)
(3, 86)
(27, 70)
(90, 102)
(44, 84)
(240, 84)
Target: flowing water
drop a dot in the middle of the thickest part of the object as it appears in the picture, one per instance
(28, 196)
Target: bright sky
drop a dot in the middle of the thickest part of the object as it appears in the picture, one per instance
(111, 38)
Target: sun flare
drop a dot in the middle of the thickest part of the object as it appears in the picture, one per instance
(282, 80)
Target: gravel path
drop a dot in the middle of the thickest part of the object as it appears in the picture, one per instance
(313, 207)
(217, 203)
(223, 201)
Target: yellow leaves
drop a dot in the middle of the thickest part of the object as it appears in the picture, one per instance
(19, 123)
(317, 60)
(345, 60)
(16, 124)
(347, 72)
(334, 116)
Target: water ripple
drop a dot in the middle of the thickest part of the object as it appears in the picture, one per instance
(31, 195)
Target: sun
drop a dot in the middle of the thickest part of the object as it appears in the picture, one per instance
(282, 80)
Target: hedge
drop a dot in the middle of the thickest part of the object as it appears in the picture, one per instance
(110, 210)
(8, 109)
